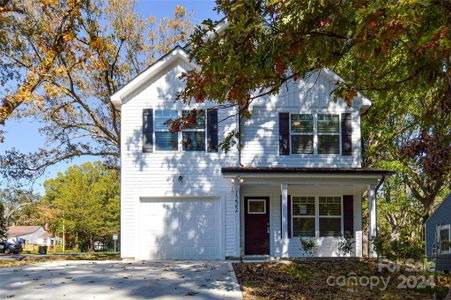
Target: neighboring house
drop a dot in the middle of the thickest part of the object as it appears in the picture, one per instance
(33, 235)
(438, 229)
(298, 172)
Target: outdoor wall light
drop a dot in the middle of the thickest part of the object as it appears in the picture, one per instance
(180, 179)
(236, 180)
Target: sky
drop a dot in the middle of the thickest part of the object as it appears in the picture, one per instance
(24, 134)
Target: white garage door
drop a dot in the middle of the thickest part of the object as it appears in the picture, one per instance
(179, 229)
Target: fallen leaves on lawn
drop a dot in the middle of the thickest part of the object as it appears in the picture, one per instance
(305, 280)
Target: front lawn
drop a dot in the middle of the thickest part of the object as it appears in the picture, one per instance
(336, 279)
(33, 259)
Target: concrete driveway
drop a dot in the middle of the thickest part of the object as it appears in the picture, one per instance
(120, 280)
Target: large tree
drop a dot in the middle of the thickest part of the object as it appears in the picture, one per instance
(86, 200)
(397, 52)
(60, 62)
(20, 206)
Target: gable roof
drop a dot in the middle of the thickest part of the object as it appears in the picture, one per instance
(21, 230)
(45, 235)
(179, 52)
(447, 199)
(175, 54)
(331, 75)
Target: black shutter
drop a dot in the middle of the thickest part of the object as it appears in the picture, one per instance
(348, 214)
(284, 134)
(212, 130)
(289, 217)
(148, 130)
(346, 134)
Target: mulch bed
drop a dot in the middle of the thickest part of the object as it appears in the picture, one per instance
(339, 279)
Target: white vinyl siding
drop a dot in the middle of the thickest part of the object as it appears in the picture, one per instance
(157, 174)
(260, 138)
(198, 173)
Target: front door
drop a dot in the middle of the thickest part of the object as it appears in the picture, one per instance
(256, 225)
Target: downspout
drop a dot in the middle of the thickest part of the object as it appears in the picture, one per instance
(379, 184)
(239, 139)
(240, 246)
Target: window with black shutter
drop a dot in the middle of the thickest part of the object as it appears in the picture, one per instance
(284, 134)
(315, 134)
(212, 130)
(147, 130)
(348, 214)
(346, 134)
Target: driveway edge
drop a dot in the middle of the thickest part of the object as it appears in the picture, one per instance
(233, 275)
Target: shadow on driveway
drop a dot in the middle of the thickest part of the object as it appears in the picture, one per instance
(120, 280)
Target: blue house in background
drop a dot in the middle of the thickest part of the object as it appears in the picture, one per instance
(438, 231)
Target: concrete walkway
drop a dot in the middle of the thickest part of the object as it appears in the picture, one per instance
(120, 280)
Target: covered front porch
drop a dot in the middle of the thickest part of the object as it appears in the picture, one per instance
(277, 206)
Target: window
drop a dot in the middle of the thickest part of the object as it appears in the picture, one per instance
(317, 216)
(303, 216)
(328, 134)
(444, 238)
(315, 137)
(256, 207)
(301, 134)
(193, 137)
(164, 139)
(329, 216)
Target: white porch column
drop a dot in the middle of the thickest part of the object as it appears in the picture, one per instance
(372, 218)
(284, 190)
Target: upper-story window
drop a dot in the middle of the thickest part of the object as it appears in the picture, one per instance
(200, 135)
(315, 134)
(193, 137)
(164, 139)
(302, 134)
(328, 130)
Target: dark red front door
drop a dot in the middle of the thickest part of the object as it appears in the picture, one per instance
(256, 225)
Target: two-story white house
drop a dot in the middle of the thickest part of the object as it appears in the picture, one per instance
(298, 172)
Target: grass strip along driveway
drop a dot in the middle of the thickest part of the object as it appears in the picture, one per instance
(337, 279)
